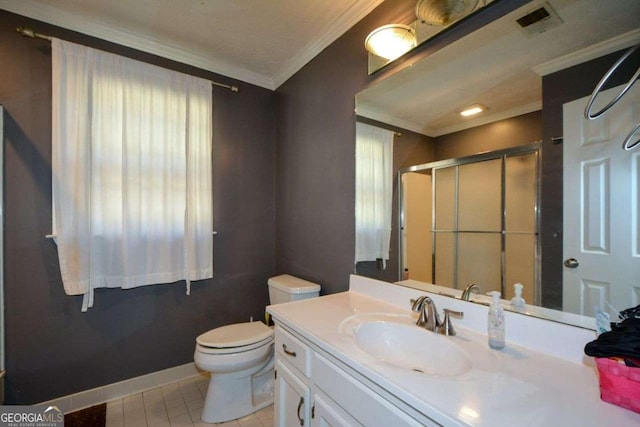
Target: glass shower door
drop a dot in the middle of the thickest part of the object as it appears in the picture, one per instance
(485, 223)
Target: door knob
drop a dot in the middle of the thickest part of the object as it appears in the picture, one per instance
(571, 263)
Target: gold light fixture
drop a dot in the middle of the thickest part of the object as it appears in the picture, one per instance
(443, 12)
(472, 110)
(391, 41)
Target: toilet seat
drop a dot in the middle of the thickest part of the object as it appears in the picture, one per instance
(236, 338)
(228, 350)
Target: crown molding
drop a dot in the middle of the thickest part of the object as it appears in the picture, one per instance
(163, 48)
(383, 117)
(592, 52)
(330, 34)
(184, 54)
(490, 118)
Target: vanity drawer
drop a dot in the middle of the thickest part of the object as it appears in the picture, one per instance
(294, 351)
(367, 407)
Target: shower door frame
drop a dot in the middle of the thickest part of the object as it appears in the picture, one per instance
(502, 154)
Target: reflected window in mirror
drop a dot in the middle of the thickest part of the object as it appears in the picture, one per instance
(408, 147)
(374, 179)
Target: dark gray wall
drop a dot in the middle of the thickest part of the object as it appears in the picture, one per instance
(512, 132)
(315, 167)
(52, 348)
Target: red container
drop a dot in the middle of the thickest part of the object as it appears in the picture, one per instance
(619, 384)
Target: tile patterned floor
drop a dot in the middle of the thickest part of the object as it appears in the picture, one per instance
(178, 404)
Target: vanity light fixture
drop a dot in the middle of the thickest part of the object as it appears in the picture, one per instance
(443, 12)
(472, 110)
(391, 41)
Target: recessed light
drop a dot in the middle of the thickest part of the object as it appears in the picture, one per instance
(472, 110)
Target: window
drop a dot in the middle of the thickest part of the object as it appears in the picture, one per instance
(131, 163)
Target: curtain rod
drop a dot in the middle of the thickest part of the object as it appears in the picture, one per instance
(28, 32)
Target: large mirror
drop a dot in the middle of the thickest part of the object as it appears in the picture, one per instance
(532, 71)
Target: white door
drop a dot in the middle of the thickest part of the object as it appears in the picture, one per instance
(601, 201)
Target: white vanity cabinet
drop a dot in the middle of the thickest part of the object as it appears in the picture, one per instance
(311, 390)
(292, 397)
(293, 387)
(541, 379)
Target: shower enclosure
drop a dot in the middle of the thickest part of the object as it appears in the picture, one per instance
(472, 220)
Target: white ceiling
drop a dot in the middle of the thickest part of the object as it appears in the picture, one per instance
(256, 41)
(498, 66)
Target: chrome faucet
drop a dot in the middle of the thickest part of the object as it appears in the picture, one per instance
(468, 290)
(429, 318)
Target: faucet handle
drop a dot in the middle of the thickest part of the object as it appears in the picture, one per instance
(446, 328)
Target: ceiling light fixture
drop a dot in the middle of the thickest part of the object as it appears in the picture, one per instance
(443, 12)
(391, 41)
(472, 110)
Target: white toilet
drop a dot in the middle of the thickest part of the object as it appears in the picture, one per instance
(240, 358)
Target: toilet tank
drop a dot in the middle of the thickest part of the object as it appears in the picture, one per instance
(286, 288)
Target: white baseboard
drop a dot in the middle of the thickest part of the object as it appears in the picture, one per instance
(98, 395)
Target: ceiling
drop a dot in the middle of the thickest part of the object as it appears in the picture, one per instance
(499, 66)
(256, 41)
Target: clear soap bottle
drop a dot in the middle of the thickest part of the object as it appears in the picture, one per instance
(517, 302)
(495, 323)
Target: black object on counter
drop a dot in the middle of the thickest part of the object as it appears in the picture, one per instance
(622, 341)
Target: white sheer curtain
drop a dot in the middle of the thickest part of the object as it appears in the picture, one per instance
(131, 162)
(374, 191)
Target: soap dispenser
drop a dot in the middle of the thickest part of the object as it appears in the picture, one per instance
(517, 302)
(495, 324)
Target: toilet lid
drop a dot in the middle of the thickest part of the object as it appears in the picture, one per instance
(236, 335)
(233, 350)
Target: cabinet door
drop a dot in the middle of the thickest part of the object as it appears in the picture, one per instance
(291, 404)
(325, 413)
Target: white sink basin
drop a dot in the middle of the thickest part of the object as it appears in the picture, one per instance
(411, 347)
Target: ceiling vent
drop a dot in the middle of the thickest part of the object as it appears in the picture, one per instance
(539, 20)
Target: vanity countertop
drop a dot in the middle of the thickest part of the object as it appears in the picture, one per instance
(515, 386)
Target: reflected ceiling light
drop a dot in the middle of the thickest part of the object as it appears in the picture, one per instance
(472, 110)
(468, 413)
(443, 12)
(391, 41)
